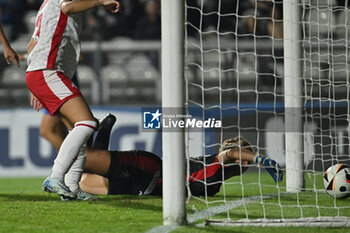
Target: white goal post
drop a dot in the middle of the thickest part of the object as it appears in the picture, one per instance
(173, 97)
(286, 90)
(293, 96)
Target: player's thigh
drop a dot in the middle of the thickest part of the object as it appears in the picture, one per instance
(97, 161)
(76, 109)
(65, 121)
(94, 184)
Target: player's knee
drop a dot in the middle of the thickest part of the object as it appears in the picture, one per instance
(84, 129)
(45, 132)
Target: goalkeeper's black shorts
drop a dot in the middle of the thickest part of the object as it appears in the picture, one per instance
(134, 172)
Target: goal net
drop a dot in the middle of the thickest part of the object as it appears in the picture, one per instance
(280, 79)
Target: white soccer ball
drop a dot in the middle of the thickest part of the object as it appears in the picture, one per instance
(336, 181)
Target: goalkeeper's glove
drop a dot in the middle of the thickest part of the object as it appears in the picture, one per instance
(271, 167)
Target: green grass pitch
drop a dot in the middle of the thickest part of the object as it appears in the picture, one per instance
(25, 208)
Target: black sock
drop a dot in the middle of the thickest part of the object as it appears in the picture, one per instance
(102, 139)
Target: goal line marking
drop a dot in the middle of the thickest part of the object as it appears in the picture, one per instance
(210, 212)
(224, 207)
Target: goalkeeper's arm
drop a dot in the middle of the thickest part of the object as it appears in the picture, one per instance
(236, 155)
(245, 156)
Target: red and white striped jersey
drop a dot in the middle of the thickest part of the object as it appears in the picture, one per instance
(56, 36)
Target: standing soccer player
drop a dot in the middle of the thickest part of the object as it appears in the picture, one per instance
(53, 55)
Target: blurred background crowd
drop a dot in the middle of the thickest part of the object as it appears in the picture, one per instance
(125, 67)
(140, 19)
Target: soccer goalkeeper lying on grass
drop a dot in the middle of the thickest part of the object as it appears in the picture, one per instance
(140, 172)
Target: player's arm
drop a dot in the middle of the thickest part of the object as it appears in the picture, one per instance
(236, 155)
(31, 46)
(244, 156)
(72, 7)
(9, 54)
(233, 157)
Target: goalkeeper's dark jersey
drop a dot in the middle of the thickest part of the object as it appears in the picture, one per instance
(205, 175)
(139, 172)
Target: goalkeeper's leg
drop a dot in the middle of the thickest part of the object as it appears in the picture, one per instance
(104, 132)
